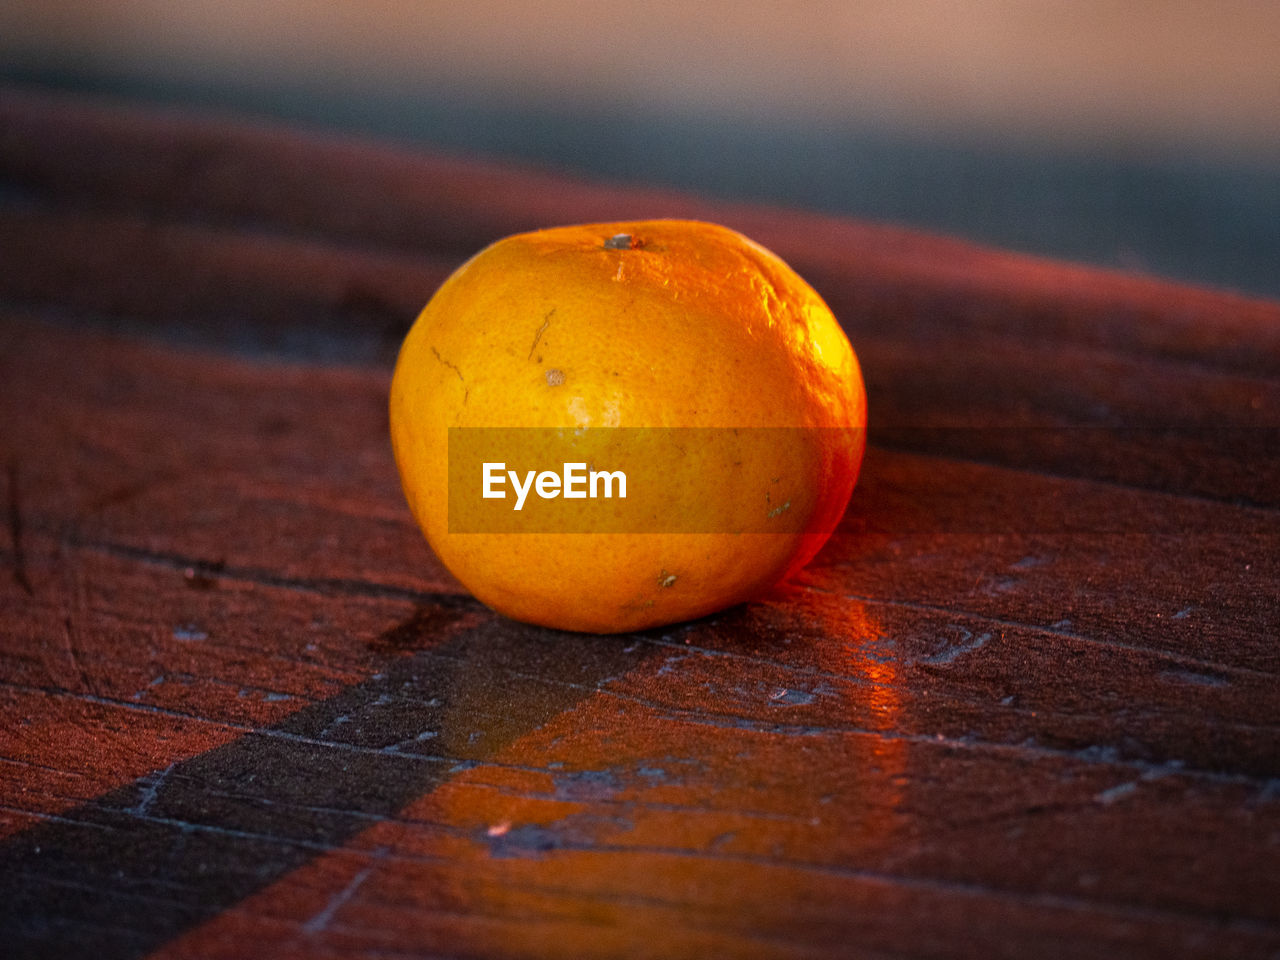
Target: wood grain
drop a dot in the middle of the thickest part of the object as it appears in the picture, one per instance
(1024, 703)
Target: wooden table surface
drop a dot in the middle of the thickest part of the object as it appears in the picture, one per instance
(1024, 704)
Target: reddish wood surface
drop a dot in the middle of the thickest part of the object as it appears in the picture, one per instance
(1024, 704)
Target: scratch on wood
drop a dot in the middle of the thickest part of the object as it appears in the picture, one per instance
(69, 637)
(15, 532)
(41, 766)
(952, 653)
(75, 612)
(151, 789)
(320, 921)
(1108, 797)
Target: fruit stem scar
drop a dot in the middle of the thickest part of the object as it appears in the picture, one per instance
(546, 321)
(619, 241)
(555, 378)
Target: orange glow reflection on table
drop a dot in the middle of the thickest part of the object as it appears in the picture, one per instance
(857, 649)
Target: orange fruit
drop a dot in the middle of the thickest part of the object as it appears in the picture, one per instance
(680, 349)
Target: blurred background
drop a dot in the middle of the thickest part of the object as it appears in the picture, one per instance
(1140, 134)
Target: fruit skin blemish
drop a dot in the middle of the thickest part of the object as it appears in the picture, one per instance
(679, 354)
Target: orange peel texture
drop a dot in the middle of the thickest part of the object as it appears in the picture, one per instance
(656, 324)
